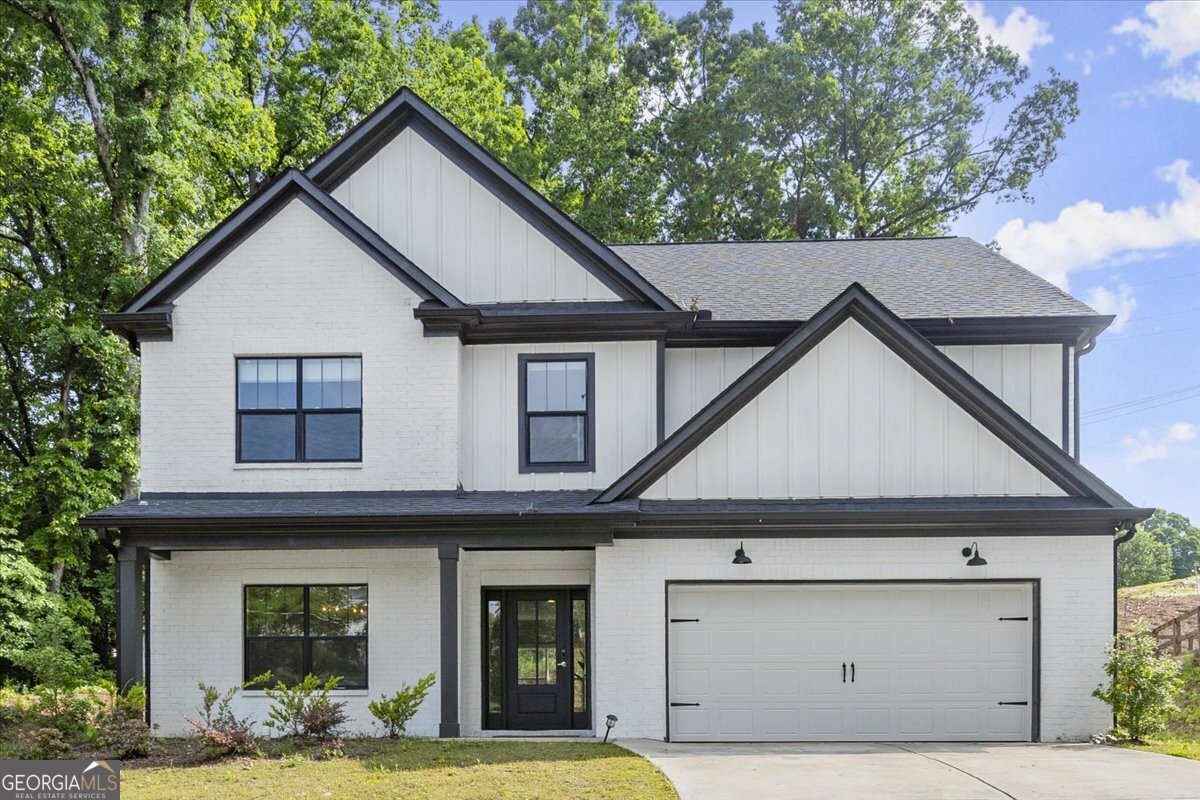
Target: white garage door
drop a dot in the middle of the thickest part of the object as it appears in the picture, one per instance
(828, 662)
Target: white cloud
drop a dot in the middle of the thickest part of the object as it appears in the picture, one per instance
(1120, 303)
(1182, 85)
(1088, 58)
(1020, 31)
(1087, 234)
(1170, 28)
(1145, 446)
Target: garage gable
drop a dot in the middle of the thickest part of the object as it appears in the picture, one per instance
(856, 404)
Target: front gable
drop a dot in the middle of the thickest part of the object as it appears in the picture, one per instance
(465, 217)
(855, 404)
(470, 240)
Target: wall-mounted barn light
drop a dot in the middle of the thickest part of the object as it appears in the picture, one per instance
(740, 557)
(972, 555)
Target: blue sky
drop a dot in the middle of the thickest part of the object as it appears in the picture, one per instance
(1116, 219)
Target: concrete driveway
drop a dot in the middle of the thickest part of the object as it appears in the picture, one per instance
(905, 771)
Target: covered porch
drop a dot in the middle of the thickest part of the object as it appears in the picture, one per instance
(447, 576)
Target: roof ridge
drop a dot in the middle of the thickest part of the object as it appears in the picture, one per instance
(793, 241)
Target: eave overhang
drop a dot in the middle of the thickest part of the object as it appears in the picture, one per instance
(606, 322)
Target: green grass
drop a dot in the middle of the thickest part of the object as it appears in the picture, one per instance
(1179, 586)
(417, 769)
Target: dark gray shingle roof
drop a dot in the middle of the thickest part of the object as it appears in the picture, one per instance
(398, 505)
(915, 278)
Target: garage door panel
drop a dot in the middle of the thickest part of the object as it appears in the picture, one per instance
(930, 662)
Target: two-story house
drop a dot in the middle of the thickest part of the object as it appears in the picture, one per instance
(401, 415)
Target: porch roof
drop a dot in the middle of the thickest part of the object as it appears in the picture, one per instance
(413, 506)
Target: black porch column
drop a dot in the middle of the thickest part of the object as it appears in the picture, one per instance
(131, 652)
(448, 561)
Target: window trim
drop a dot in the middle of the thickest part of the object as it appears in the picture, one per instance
(589, 428)
(306, 639)
(299, 412)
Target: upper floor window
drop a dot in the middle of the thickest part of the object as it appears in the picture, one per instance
(315, 418)
(558, 415)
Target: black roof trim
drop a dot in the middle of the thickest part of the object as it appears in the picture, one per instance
(554, 322)
(150, 324)
(1072, 330)
(256, 211)
(406, 109)
(858, 304)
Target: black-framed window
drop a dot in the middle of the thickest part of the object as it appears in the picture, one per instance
(557, 408)
(299, 409)
(313, 629)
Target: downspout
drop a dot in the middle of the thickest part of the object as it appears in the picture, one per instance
(1130, 529)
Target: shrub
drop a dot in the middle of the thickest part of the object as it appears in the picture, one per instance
(395, 712)
(1141, 684)
(121, 725)
(333, 748)
(44, 743)
(222, 732)
(306, 708)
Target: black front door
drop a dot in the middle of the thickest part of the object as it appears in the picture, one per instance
(536, 639)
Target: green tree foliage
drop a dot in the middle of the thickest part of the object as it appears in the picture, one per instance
(1143, 559)
(1180, 536)
(861, 118)
(1141, 684)
(127, 129)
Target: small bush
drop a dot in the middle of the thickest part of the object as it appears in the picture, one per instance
(1141, 684)
(44, 743)
(121, 725)
(306, 708)
(333, 748)
(395, 712)
(222, 732)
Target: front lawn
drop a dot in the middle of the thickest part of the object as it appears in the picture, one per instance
(414, 769)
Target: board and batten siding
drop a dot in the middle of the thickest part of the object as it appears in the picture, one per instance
(458, 231)
(849, 419)
(626, 415)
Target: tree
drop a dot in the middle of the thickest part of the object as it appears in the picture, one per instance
(1141, 686)
(1143, 559)
(591, 155)
(127, 129)
(1182, 538)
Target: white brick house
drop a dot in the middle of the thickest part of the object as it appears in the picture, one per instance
(400, 415)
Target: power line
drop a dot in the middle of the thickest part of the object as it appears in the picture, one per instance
(1164, 278)
(1140, 410)
(1138, 401)
(1155, 333)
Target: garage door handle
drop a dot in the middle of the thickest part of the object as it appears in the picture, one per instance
(1020, 703)
(852, 672)
(677, 705)
(843, 672)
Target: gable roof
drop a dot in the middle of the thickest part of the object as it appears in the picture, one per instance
(251, 215)
(858, 304)
(406, 109)
(927, 278)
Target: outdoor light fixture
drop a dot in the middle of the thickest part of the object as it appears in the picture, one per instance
(610, 721)
(972, 555)
(740, 556)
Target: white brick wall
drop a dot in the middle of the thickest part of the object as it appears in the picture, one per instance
(1076, 607)
(298, 287)
(196, 625)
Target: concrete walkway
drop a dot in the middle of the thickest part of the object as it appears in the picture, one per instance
(903, 771)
